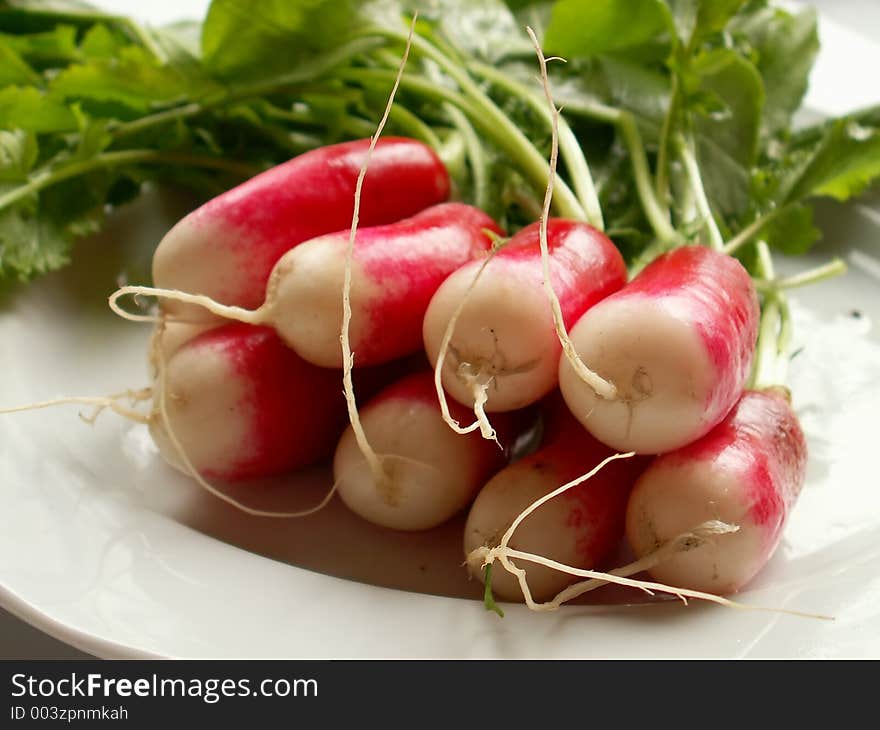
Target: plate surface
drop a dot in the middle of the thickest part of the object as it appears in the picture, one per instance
(103, 546)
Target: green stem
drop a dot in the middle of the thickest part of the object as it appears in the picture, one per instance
(774, 334)
(476, 156)
(833, 268)
(46, 178)
(662, 181)
(351, 123)
(488, 596)
(414, 126)
(572, 154)
(413, 84)
(625, 122)
(746, 234)
(453, 153)
(498, 126)
(704, 209)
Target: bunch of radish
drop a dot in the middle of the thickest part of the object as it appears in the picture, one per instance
(602, 406)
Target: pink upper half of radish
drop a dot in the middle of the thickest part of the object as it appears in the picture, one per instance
(677, 342)
(581, 527)
(396, 269)
(505, 333)
(227, 247)
(244, 405)
(747, 471)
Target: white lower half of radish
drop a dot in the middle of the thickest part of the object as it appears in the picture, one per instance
(547, 531)
(306, 291)
(670, 501)
(202, 255)
(661, 371)
(432, 472)
(208, 407)
(504, 337)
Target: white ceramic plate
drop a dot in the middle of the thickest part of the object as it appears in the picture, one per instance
(104, 547)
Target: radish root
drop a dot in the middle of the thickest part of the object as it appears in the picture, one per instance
(602, 387)
(698, 536)
(503, 553)
(372, 459)
(238, 314)
(464, 370)
(113, 402)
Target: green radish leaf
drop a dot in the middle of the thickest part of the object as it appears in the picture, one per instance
(13, 68)
(583, 28)
(734, 125)
(33, 111)
(727, 138)
(49, 49)
(842, 164)
(784, 46)
(485, 29)
(101, 42)
(792, 232)
(643, 90)
(695, 19)
(18, 154)
(132, 79)
(242, 39)
(31, 245)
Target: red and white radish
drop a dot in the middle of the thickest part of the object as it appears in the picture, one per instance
(504, 341)
(226, 248)
(430, 473)
(677, 342)
(580, 528)
(747, 472)
(395, 271)
(241, 405)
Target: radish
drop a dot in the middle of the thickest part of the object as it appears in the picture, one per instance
(503, 348)
(226, 248)
(171, 336)
(581, 528)
(677, 342)
(747, 472)
(430, 473)
(396, 269)
(243, 405)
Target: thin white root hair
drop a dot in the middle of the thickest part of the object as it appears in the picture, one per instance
(238, 314)
(113, 402)
(479, 390)
(372, 459)
(649, 587)
(481, 396)
(684, 542)
(603, 388)
(503, 553)
(193, 472)
(556, 492)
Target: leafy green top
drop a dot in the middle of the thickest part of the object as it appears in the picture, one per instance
(94, 106)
